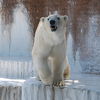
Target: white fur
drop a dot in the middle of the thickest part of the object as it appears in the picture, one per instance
(49, 51)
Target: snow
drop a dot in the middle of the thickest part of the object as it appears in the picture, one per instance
(81, 87)
(10, 89)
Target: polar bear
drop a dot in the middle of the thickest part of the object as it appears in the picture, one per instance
(49, 50)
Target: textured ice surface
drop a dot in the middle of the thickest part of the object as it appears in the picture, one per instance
(16, 69)
(15, 34)
(81, 89)
(84, 47)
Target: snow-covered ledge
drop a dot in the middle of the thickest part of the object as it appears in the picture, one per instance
(81, 87)
(11, 89)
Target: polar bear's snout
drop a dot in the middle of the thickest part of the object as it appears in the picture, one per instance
(54, 23)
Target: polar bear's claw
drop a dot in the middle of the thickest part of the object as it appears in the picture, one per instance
(59, 83)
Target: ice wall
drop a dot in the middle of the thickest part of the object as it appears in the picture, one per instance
(16, 39)
(83, 25)
(16, 69)
(90, 51)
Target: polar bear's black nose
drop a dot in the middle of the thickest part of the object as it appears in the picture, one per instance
(52, 22)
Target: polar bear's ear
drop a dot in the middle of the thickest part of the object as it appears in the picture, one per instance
(42, 19)
(65, 17)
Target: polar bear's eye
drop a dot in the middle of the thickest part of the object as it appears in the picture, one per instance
(48, 18)
(58, 18)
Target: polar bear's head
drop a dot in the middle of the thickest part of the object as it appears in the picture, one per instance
(54, 22)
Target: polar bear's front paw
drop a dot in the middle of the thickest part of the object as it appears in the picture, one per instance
(59, 83)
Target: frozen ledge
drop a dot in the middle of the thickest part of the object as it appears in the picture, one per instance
(11, 89)
(86, 87)
(80, 87)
